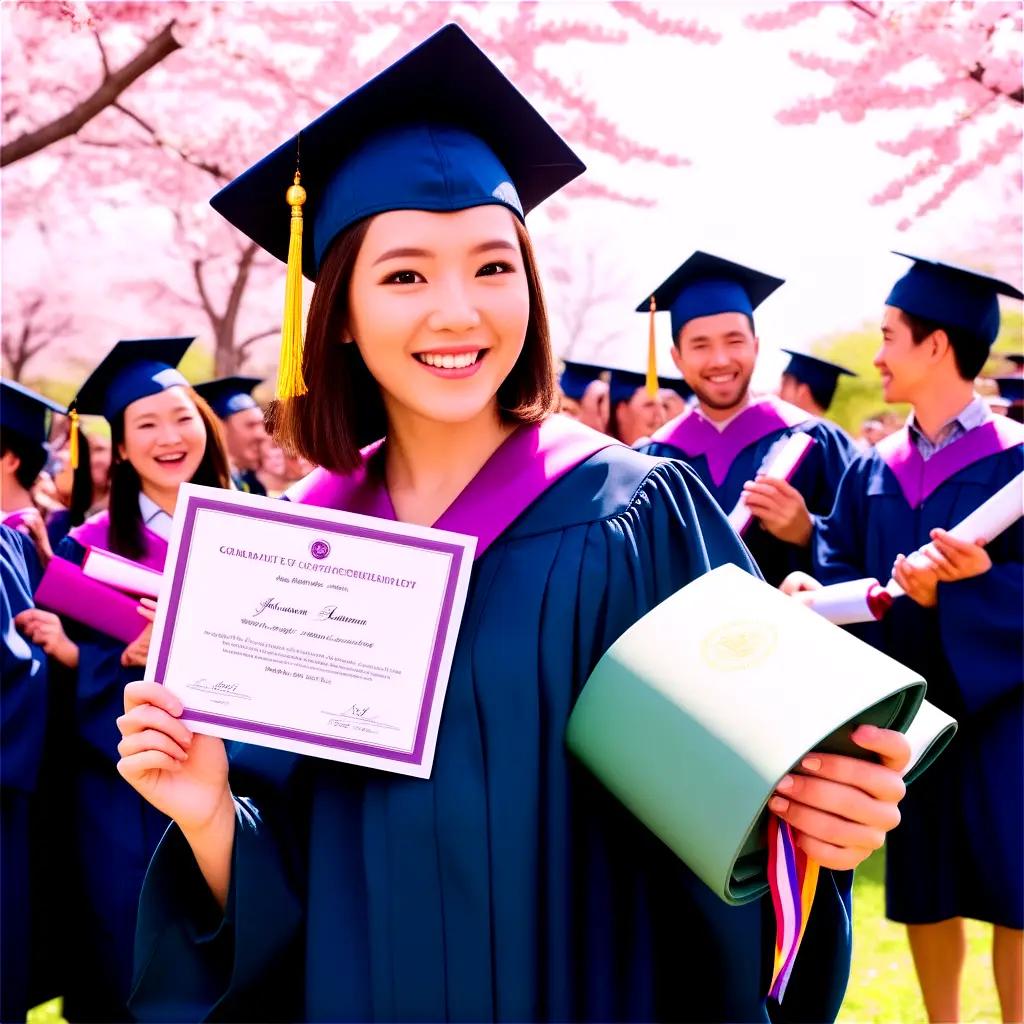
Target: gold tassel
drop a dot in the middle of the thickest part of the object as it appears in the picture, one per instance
(290, 381)
(73, 441)
(652, 356)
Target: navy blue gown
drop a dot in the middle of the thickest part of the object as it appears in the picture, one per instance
(959, 851)
(115, 833)
(24, 715)
(510, 886)
(725, 462)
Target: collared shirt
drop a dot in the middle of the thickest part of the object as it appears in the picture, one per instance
(720, 425)
(154, 517)
(974, 414)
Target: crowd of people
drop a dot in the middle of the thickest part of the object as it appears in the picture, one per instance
(146, 877)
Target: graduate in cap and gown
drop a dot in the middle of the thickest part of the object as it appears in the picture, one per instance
(585, 394)
(960, 849)
(23, 676)
(509, 885)
(810, 383)
(25, 418)
(163, 435)
(727, 433)
(231, 399)
(636, 409)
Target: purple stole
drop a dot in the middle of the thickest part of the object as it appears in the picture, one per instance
(66, 590)
(15, 519)
(693, 435)
(520, 471)
(919, 479)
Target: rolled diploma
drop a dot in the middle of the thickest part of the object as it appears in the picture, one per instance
(985, 523)
(853, 601)
(781, 461)
(122, 573)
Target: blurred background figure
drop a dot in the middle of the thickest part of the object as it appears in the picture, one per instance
(99, 459)
(273, 472)
(877, 426)
(585, 394)
(74, 489)
(1011, 391)
(1016, 364)
(673, 393)
(635, 414)
(25, 418)
(296, 467)
(810, 383)
(244, 434)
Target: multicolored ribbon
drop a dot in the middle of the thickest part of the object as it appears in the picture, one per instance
(792, 878)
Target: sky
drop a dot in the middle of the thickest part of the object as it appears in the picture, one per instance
(789, 200)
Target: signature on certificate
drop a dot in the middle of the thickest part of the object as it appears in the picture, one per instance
(357, 717)
(222, 691)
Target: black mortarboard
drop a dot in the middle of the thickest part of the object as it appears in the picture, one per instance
(228, 395)
(25, 412)
(577, 377)
(131, 370)
(951, 295)
(820, 375)
(705, 285)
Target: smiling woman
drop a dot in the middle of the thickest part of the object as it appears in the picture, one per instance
(508, 885)
(163, 435)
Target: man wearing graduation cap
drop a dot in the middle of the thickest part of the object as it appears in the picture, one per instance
(674, 394)
(1011, 390)
(585, 394)
(727, 435)
(231, 399)
(810, 383)
(636, 413)
(960, 849)
(25, 419)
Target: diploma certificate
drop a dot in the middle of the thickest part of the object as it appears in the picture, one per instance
(310, 629)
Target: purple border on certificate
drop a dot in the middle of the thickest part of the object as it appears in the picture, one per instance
(295, 518)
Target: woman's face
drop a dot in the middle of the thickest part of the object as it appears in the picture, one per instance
(164, 438)
(439, 306)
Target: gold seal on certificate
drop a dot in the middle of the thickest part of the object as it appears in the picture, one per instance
(310, 629)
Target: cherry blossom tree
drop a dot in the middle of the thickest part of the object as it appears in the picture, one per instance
(30, 325)
(238, 79)
(955, 65)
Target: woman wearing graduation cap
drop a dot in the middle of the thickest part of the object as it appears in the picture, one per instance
(960, 850)
(163, 435)
(508, 886)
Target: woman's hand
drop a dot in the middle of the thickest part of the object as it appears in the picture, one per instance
(181, 773)
(47, 631)
(33, 525)
(841, 807)
(136, 653)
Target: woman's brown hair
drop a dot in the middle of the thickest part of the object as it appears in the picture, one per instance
(343, 410)
(125, 485)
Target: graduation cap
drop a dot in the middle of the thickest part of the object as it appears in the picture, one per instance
(820, 375)
(624, 384)
(26, 413)
(441, 129)
(951, 295)
(577, 377)
(228, 395)
(1011, 388)
(1017, 358)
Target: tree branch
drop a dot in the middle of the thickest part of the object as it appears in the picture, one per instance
(978, 74)
(212, 169)
(103, 54)
(243, 345)
(197, 274)
(160, 46)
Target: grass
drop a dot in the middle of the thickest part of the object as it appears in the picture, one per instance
(883, 987)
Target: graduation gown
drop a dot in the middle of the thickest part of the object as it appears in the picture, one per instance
(510, 885)
(115, 831)
(959, 851)
(24, 713)
(725, 460)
